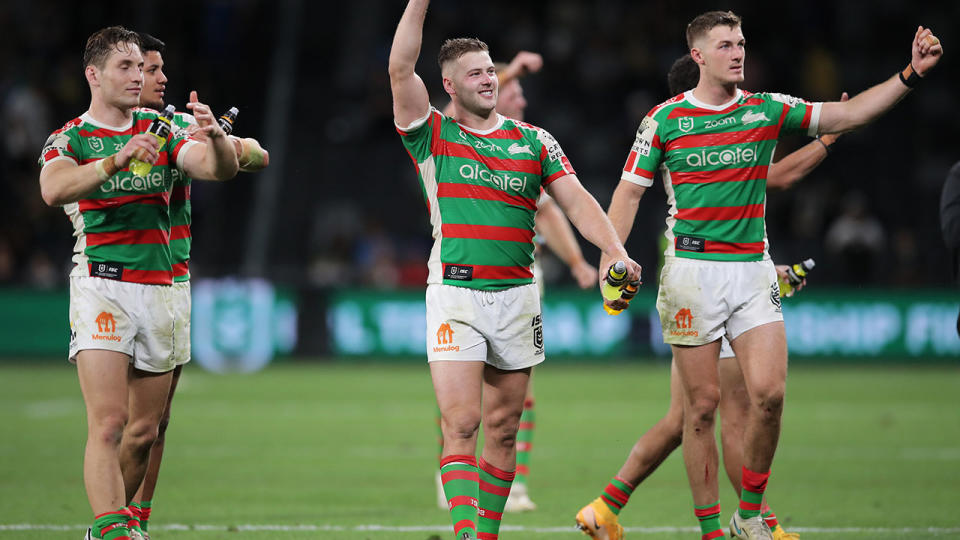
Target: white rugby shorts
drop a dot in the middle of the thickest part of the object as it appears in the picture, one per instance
(700, 301)
(502, 328)
(181, 322)
(131, 318)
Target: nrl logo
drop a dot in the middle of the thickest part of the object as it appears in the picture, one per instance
(96, 144)
(686, 124)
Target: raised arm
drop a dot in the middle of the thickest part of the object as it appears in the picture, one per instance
(216, 159)
(64, 182)
(587, 216)
(799, 163)
(411, 101)
(555, 228)
(837, 117)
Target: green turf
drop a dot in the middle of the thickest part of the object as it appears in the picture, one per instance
(335, 446)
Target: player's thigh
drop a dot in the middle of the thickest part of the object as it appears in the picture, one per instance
(690, 300)
(762, 356)
(148, 393)
(514, 328)
(103, 383)
(155, 316)
(697, 371)
(503, 395)
(458, 386)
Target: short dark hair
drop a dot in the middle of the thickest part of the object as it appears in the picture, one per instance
(705, 22)
(454, 48)
(104, 41)
(150, 43)
(684, 74)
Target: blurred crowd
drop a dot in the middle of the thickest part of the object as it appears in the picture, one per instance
(348, 206)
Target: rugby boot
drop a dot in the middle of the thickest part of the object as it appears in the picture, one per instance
(598, 522)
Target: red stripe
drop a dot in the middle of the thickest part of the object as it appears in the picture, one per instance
(711, 535)
(181, 269)
(435, 120)
(610, 502)
(749, 506)
(631, 161)
(765, 133)
(697, 112)
(470, 191)
(161, 198)
(463, 524)
(487, 536)
(499, 474)
(180, 193)
(524, 446)
(494, 489)
(807, 116)
(741, 248)
(753, 481)
(462, 500)
(130, 237)
(642, 173)
(55, 154)
(526, 425)
(617, 494)
(150, 277)
(704, 512)
(486, 232)
(490, 514)
(742, 174)
(523, 469)
(501, 272)
(559, 174)
(721, 213)
(458, 458)
(452, 149)
(449, 476)
(179, 232)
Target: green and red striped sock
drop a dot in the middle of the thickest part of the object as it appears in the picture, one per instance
(112, 525)
(753, 484)
(494, 490)
(461, 486)
(144, 513)
(709, 517)
(525, 441)
(767, 514)
(616, 494)
(133, 524)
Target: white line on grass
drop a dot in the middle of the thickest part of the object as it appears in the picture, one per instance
(446, 528)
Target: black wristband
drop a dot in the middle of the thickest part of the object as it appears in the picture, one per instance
(909, 77)
(825, 145)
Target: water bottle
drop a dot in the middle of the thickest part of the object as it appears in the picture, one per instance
(159, 128)
(627, 294)
(795, 276)
(614, 280)
(227, 119)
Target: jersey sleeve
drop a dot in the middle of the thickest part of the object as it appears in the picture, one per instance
(62, 144)
(421, 136)
(796, 115)
(553, 161)
(645, 154)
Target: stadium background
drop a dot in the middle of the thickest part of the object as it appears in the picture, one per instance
(321, 257)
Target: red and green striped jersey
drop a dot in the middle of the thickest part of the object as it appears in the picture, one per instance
(714, 161)
(122, 227)
(180, 237)
(481, 189)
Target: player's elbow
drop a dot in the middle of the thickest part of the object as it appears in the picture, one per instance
(51, 194)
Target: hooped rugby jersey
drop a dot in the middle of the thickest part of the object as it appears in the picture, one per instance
(714, 162)
(122, 227)
(481, 190)
(180, 211)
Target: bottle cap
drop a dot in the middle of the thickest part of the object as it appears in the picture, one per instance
(808, 264)
(169, 110)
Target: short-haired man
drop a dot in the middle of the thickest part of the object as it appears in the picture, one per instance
(481, 176)
(714, 145)
(121, 319)
(251, 157)
(599, 519)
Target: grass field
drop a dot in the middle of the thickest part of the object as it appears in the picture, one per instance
(338, 451)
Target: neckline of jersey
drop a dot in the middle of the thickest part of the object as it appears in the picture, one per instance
(87, 117)
(498, 125)
(688, 95)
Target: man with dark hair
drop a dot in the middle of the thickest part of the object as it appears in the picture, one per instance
(599, 519)
(481, 175)
(121, 319)
(714, 145)
(256, 158)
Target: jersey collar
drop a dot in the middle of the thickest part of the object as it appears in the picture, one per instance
(688, 95)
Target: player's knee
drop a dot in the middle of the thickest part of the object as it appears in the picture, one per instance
(141, 435)
(460, 426)
(703, 404)
(109, 428)
(770, 400)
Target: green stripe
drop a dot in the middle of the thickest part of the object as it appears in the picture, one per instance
(180, 213)
(126, 217)
(140, 257)
(488, 284)
(622, 486)
(727, 193)
(486, 252)
(491, 502)
(720, 256)
(180, 250)
(484, 212)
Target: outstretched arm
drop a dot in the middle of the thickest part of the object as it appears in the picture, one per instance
(410, 98)
(786, 172)
(217, 158)
(837, 117)
(555, 228)
(587, 216)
